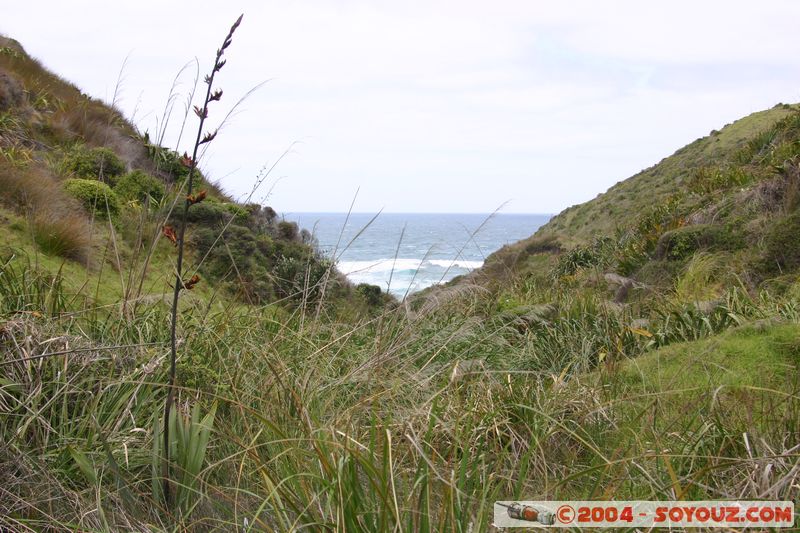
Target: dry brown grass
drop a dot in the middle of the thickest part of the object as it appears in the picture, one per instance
(57, 225)
(63, 235)
(11, 94)
(33, 76)
(71, 115)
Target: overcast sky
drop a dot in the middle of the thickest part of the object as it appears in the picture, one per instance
(433, 106)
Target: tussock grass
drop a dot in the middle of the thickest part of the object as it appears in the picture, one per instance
(55, 219)
(64, 235)
(700, 279)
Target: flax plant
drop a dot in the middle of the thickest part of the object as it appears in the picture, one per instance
(212, 95)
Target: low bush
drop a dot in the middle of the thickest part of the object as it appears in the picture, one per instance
(372, 294)
(706, 180)
(139, 186)
(258, 267)
(681, 243)
(93, 163)
(97, 197)
(212, 212)
(543, 245)
(635, 246)
(207, 213)
(261, 218)
(166, 161)
(756, 145)
(595, 254)
(288, 230)
(240, 256)
(300, 278)
(240, 214)
(786, 151)
(782, 245)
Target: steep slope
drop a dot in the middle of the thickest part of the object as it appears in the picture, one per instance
(601, 216)
(83, 188)
(732, 194)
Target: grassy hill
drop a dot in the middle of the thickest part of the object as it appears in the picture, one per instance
(731, 195)
(653, 360)
(612, 210)
(87, 194)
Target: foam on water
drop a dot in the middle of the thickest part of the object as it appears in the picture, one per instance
(400, 265)
(405, 274)
(434, 247)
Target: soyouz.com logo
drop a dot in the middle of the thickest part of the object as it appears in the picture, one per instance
(705, 514)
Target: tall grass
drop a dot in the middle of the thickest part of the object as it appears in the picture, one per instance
(417, 421)
(56, 222)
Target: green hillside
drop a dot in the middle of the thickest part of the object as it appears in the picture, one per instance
(581, 223)
(731, 195)
(87, 194)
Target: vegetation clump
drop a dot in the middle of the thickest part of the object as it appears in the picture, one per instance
(592, 255)
(707, 180)
(288, 230)
(681, 243)
(165, 161)
(139, 186)
(543, 245)
(782, 244)
(97, 197)
(371, 293)
(61, 234)
(12, 94)
(93, 163)
(213, 212)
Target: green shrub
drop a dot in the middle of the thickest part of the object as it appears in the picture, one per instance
(756, 145)
(706, 180)
(94, 163)
(166, 160)
(372, 294)
(636, 245)
(241, 257)
(138, 186)
(595, 254)
(299, 277)
(543, 245)
(208, 212)
(240, 214)
(288, 230)
(786, 151)
(255, 266)
(766, 145)
(682, 243)
(214, 212)
(782, 244)
(97, 197)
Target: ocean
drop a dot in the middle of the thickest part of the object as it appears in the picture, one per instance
(434, 248)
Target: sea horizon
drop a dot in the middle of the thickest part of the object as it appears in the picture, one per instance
(435, 247)
(373, 213)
